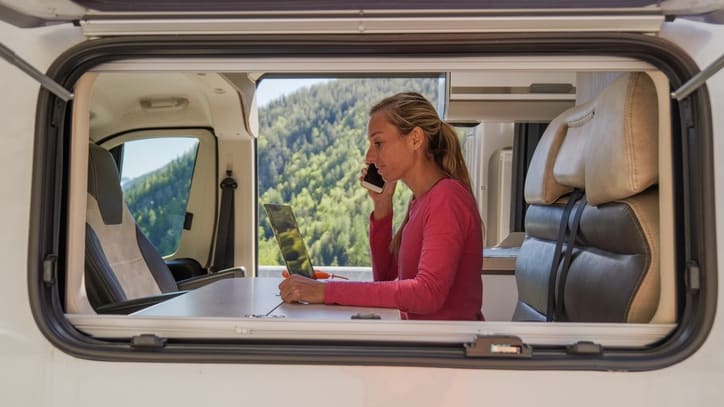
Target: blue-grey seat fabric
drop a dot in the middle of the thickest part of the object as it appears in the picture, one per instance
(121, 265)
(608, 149)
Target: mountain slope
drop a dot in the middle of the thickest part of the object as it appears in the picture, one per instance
(158, 201)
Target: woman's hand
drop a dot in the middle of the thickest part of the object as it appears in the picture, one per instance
(301, 289)
(383, 200)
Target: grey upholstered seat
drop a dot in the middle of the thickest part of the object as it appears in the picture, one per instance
(608, 149)
(123, 271)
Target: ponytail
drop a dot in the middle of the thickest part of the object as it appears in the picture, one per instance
(449, 155)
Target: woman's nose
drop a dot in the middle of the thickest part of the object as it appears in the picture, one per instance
(370, 156)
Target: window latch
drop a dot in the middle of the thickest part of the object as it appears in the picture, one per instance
(148, 342)
(50, 269)
(498, 346)
(693, 276)
(585, 348)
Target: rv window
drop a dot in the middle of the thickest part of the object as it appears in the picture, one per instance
(305, 147)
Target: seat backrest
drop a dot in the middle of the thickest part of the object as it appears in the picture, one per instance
(120, 263)
(608, 148)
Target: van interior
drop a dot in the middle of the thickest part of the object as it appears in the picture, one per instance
(570, 161)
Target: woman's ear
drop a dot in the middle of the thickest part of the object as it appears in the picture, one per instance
(417, 137)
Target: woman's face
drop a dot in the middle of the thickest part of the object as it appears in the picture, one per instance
(388, 150)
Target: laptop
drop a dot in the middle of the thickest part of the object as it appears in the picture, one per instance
(289, 239)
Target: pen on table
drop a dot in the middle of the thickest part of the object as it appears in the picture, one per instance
(274, 309)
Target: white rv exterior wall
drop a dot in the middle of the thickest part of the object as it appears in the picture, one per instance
(34, 373)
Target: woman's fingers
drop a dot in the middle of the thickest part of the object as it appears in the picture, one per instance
(301, 289)
(363, 173)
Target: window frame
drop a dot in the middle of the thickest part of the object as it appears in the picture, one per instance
(693, 193)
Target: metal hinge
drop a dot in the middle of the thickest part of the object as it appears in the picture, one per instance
(504, 346)
(148, 342)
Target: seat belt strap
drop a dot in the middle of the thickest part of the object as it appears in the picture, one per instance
(562, 234)
(224, 252)
(560, 313)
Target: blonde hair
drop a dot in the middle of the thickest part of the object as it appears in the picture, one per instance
(408, 110)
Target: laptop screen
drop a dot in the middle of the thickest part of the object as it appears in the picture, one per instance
(289, 239)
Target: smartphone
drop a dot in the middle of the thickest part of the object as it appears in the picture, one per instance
(373, 180)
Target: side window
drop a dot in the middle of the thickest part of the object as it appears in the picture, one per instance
(311, 159)
(156, 177)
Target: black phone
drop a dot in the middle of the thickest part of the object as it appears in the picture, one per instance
(373, 180)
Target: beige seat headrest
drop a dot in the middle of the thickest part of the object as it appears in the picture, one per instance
(608, 146)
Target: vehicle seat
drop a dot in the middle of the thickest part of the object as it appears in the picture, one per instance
(608, 149)
(123, 271)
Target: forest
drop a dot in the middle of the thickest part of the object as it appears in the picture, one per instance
(310, 152)
(158, 201)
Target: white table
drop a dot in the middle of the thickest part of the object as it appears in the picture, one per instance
(500, 260)
(254, 298)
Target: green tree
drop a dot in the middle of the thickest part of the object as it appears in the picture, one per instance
(158, 201)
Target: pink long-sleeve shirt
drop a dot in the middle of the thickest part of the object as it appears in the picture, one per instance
(437, 276)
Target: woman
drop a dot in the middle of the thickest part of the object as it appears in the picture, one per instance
(431, 268)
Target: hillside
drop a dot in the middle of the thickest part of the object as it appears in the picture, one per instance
(170, 185)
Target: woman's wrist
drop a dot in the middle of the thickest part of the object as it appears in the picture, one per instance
(381, 210)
